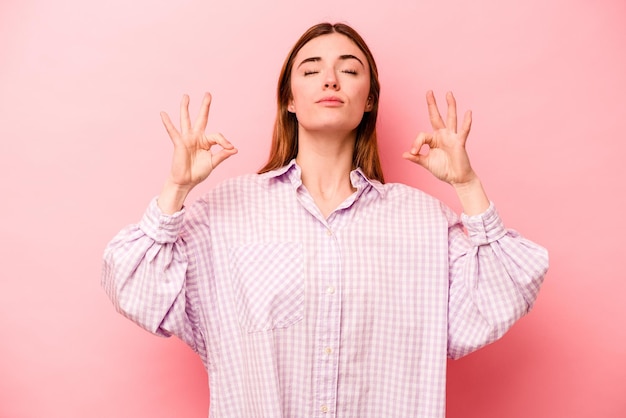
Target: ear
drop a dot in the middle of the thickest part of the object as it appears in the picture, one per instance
(369, 105)
(291, 107)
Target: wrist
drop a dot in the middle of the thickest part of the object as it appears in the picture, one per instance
(172, 197)
(472, 182)
(472, 196)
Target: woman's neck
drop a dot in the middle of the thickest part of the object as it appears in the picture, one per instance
(326, 163)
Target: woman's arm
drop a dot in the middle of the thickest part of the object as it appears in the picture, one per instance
(148, 266)
(144, 273)
(494, 273)
(494, 278)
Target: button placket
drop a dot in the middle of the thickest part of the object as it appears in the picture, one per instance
(329, 321)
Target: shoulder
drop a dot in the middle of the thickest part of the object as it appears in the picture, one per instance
(225, 200)
(235, 191)
(399, 191)
(239, 184)
(404, 197)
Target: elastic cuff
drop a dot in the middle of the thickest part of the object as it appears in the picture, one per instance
(484, 228)
(160, 227)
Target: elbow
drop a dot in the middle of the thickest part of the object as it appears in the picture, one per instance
(482, 329)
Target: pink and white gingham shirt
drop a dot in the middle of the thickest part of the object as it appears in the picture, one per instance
(295, 315)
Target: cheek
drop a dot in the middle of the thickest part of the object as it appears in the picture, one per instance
(362, 92)
(362, 100)
(297, 93)
(301, 100)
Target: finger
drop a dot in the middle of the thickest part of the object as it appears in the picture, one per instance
(422, 139)
(185, 121)
(433, 111)
(169, 126)
(451, 117)
(222, 154)
(467, 125)
(420, 159)
(220, 140)
(203, 117)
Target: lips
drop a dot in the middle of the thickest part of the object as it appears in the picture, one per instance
(330, 100)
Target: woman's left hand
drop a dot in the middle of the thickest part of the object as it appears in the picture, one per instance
(446, 158)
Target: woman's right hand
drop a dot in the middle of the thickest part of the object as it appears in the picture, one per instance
(193, 159)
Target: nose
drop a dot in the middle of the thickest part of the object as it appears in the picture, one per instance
(330, 81)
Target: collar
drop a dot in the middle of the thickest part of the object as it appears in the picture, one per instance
(293, 173)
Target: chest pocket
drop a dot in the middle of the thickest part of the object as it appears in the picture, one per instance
(268, 284)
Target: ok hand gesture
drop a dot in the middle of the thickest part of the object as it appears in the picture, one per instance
(447, 158)
(193, 159)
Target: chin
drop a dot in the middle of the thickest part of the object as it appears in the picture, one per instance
(331, 125)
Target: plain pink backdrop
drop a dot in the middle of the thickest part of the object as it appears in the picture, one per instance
(82, 151)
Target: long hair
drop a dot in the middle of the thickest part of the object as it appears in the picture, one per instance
(284, 146)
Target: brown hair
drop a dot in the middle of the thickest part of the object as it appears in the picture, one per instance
(284, 146)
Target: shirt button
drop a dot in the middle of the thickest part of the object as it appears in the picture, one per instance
(330, 290)
(328, 350)
(329, 232)
(324, 409)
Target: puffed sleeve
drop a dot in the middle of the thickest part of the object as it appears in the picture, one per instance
(145, 274)
(495, 276)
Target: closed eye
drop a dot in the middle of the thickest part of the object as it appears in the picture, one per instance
(309, 72)
(349, 72)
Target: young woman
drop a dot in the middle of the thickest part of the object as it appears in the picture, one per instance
(313, 288)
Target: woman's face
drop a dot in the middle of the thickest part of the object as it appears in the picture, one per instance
(330, 84)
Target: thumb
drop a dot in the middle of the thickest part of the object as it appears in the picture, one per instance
(222, 155)
(418, 158)
(414, 154)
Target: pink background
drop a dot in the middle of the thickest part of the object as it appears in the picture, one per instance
(82, 151)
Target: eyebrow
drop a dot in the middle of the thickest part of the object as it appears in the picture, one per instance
(341, 57)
